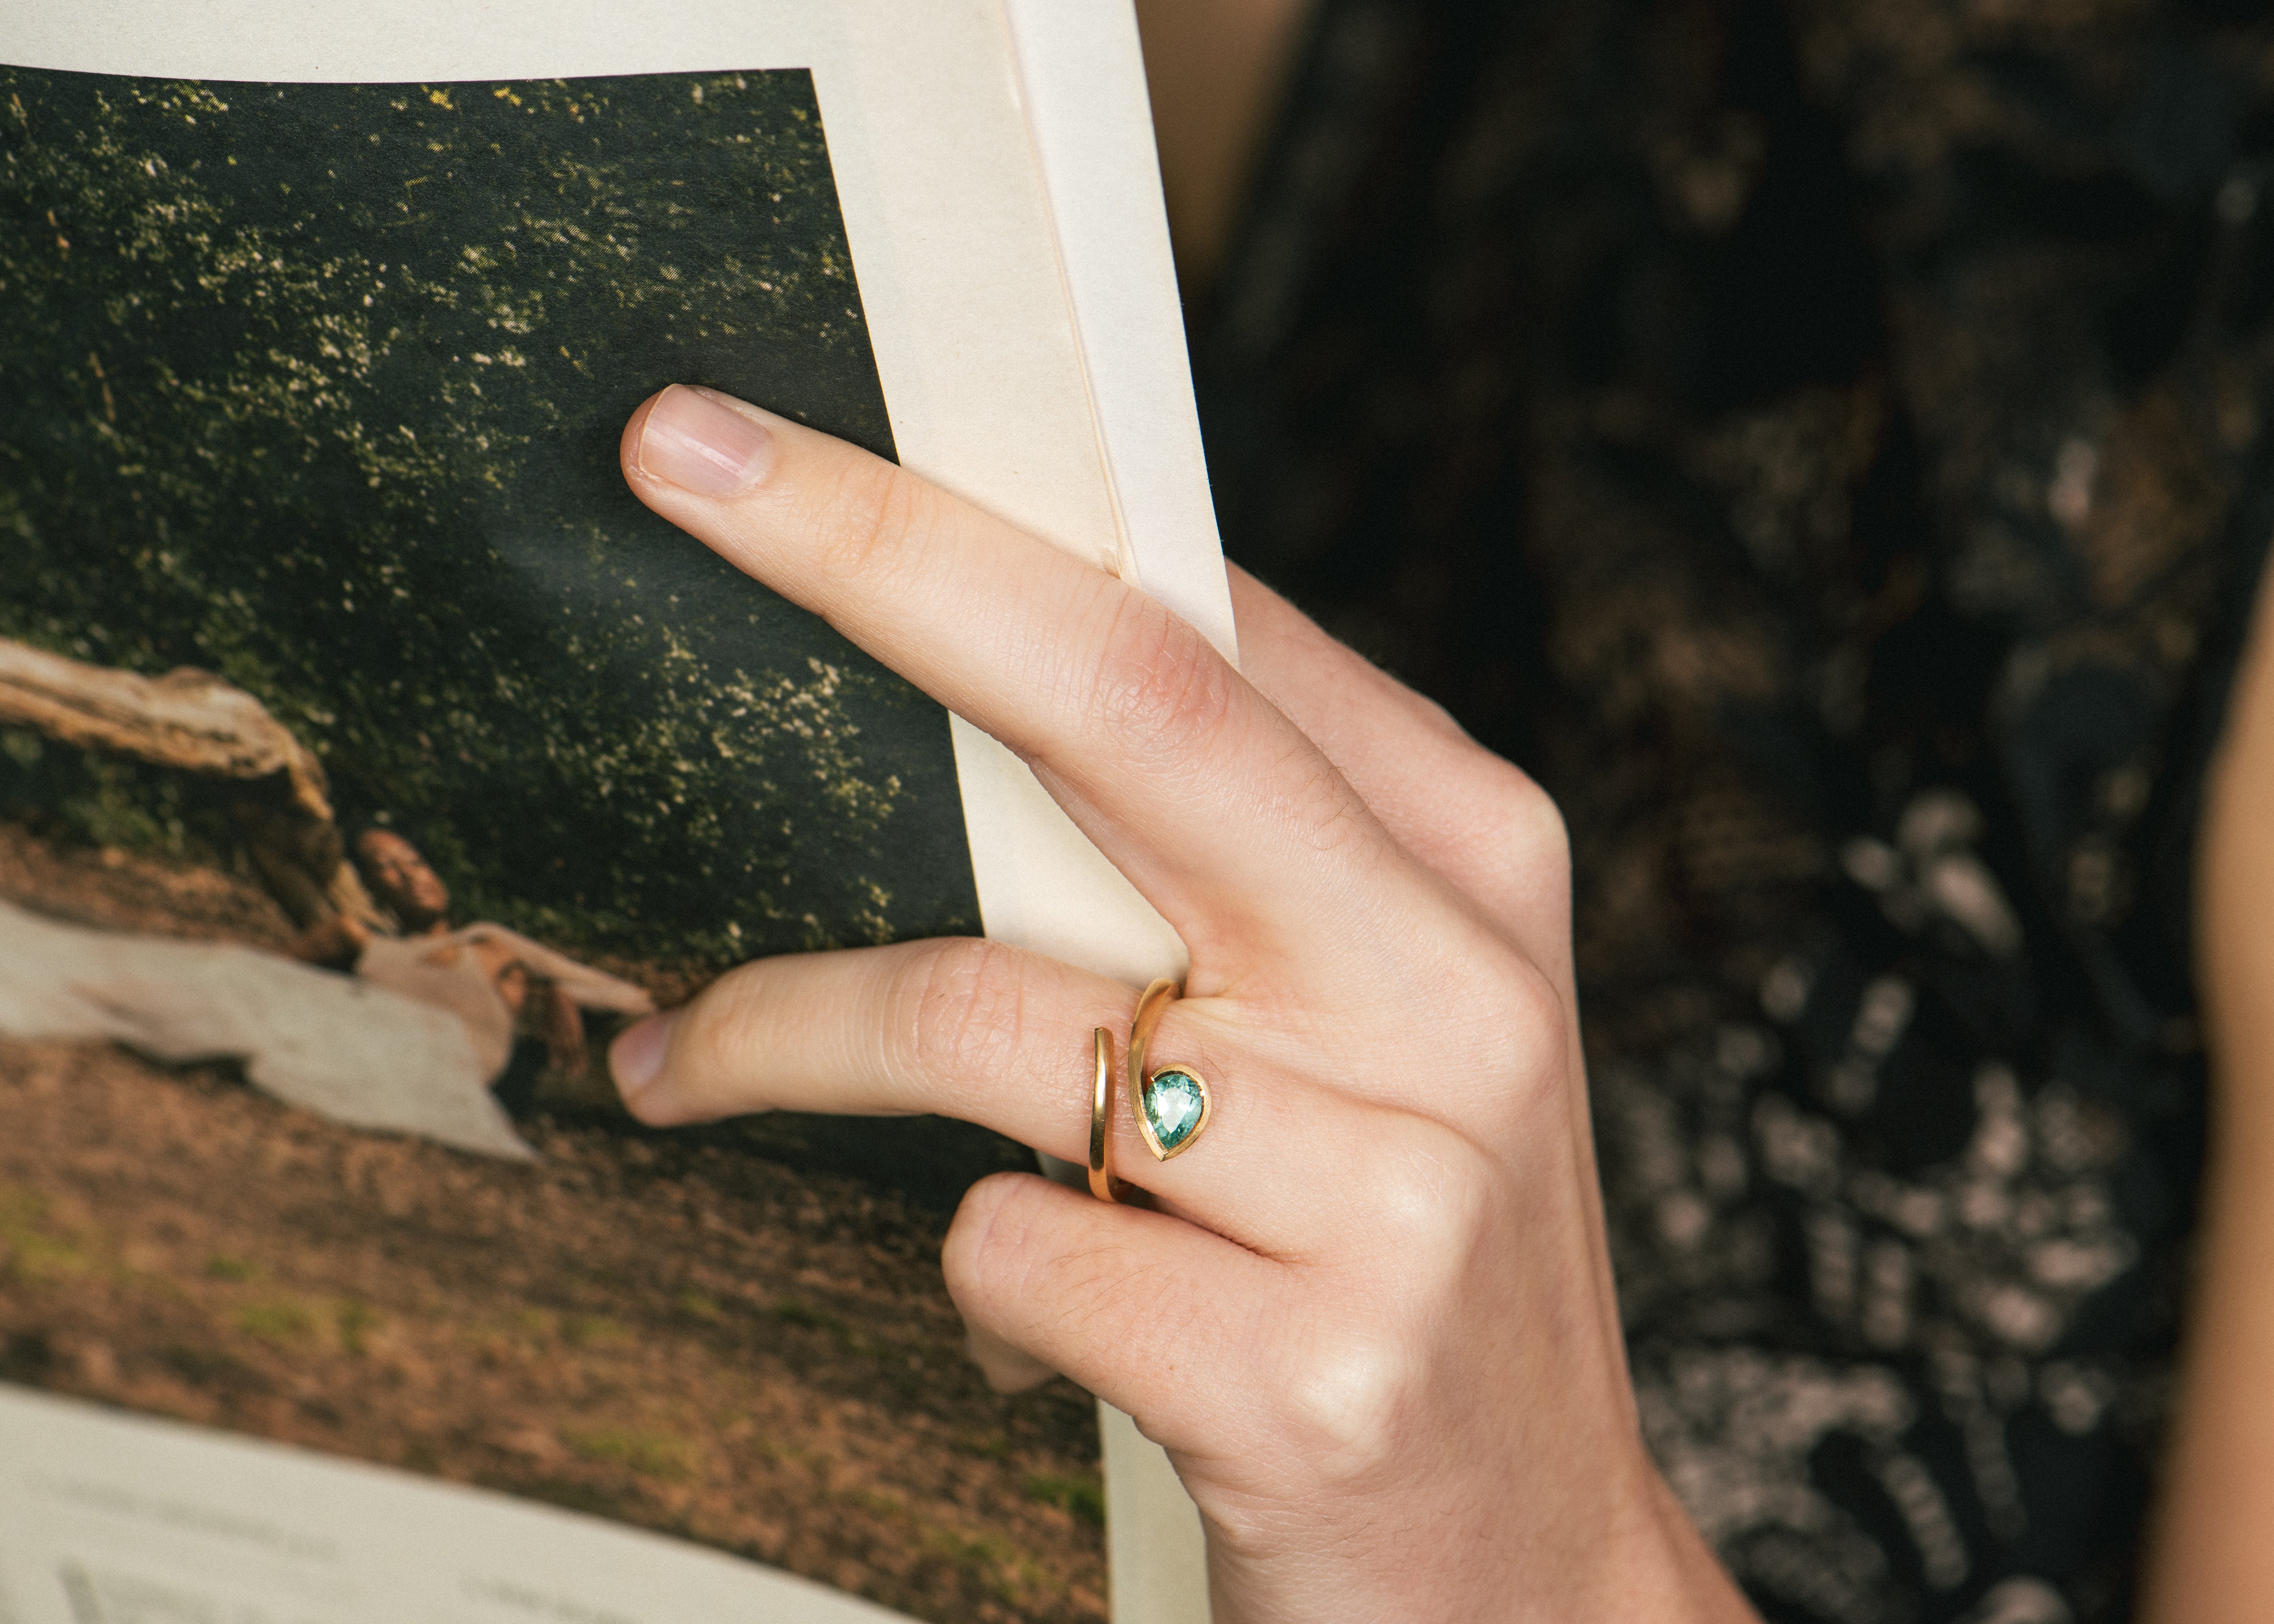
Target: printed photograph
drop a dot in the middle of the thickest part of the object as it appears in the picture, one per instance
(369, 756)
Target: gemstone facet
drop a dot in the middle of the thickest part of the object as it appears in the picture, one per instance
(1174, 1106)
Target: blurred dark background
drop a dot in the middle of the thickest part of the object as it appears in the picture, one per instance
(1827, 444)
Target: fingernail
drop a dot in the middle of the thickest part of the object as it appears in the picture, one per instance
(692, 438)
(636, 1056)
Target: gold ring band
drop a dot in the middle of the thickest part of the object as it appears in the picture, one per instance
(1172, 1103)
(1102, 1185)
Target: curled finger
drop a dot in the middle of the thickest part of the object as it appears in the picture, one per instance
(1144, 1311)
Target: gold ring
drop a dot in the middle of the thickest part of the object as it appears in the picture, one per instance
(1102, 1185)
(1172, 1103)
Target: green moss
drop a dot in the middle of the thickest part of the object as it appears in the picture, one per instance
(804, 1315)
(877, 1502)
(210, 1368)
(570, 1496)
(1004, 1570)
(281, 1319)
(355, 1322)
(1085, 1496)
(594, 1331)
(650, 1454)
(34, 1247)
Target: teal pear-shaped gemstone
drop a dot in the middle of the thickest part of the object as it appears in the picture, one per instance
(1174, 1103)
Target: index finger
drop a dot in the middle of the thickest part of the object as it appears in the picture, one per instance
(1216, 807)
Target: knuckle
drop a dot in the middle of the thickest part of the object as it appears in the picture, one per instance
(1427, 717)
(1531, 820)
(960, 1004)
(1436, 1214)
(868, 512)
(1527, 1008)
(1349, 1402)
(1329, 813)
(1352, 1401)
(1520, 820)
(1009, 1257)
(1160, 685)
(988, 1240)
(721, 1030)
(1495, 980)
(1508, 1020)
(1531, 1028)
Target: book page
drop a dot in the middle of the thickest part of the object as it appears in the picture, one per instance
(1083, 78)
(457, 1261)
(105, 1520)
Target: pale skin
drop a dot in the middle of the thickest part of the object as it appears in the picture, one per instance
(2214, 1538)
(1214, 68)
(1372, 1321)
(1393, 1217)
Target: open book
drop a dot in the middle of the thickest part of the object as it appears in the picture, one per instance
(368, 755)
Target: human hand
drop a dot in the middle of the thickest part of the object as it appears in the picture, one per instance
(1371, 1319)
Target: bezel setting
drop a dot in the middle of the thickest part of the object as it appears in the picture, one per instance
(1144, 1112)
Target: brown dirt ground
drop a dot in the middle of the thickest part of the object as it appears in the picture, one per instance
(680, 1335)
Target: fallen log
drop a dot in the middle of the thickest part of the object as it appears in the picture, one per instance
(191, 721)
